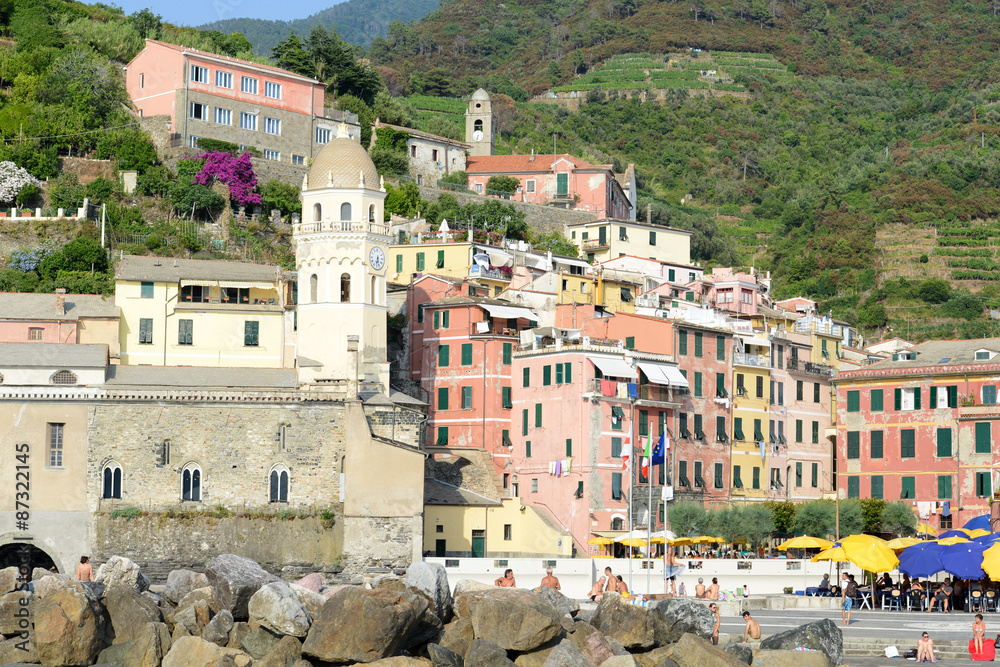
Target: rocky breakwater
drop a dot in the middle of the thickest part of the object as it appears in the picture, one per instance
(235, 614)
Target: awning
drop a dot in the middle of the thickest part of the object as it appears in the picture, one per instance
(615, 367)
(199, 283)
(243, 284)
(675, 377)
(754, 340)
(663, 374)
(510, 312)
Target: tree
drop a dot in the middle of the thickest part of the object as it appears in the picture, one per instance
(392, 110)
(757, 524)
(728, 522)
(782, 515)
(82, 254)
(436, 82)
(555, 243)
(871, 513)
(456, 178)
(146, 23)
(686, 517)
(236, 172)
(87, 83)
(898, 520)
(934, 290)
(281, 196)
(815, 518)
(130, 147)
(501, 183)
(404, 200)
(291, 54)
(13, 179)
(852, 520)
(365, 114)
(390, 163)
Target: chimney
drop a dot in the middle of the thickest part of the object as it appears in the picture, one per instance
(61, 300)
(532, 158)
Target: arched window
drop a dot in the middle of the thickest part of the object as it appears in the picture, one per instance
(371, 213)
(64, 377)
(191, 483)
(317, 211)
(279, 484)
(313, 287)
(345, 288)
(478, 125)
(618, 523)
(345, 211)
(283, 436)
(165, 452)
(112, 481)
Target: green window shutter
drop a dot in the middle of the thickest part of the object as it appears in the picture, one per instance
(854, 401)
(897, 399)
(682, 342)
(854, 444)
(876, 400)
(983, 439)
(538, 415)
(546, 376)
(916, 398)
(756, 478)
(616, 486)
(697, 383)
(420, 261)
(420, 313)
(876, 486)
(689, 296)
(738, 428)
(720, 348)
(876, 445)
(466, 354)
(815, 438)
(853, 486)
(720, 385)
(527, 447)
(506, 398)
(798, 430)
(526, 373)
(184, 332)
(569, 447)
(442, 438)
(445, 316)
(442, 398)
(983, 485)
(798, 474)
(146, 330)
(508, 352)
(933, 398)
(440, 261)
(671, 275)
(524, 422)
(758, 431)
(908, 488)
(568, 373)
(697, 343)
(437, 319)
(616, 448)
(251, 331)
(630, 343)
(442, 356)
(643, 422)
(907, 443)
(562, 184)
(466, 398)
(953, 396)
(815, 475)
(944, 487)
(719, 482)
(737, 480)
(505, 438)
(399, 263)
(944, 442)
(559, 373)
(146, 290)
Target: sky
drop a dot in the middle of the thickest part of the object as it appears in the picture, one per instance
(199, 12)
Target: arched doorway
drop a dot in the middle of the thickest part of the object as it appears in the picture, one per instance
(16, 555)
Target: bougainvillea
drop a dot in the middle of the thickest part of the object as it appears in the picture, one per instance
(12, 180)
(236, 172)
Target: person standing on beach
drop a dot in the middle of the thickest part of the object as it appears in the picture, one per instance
(714, 608)
(846, 599)
(612, 583)
(670, 569)
(85, 571)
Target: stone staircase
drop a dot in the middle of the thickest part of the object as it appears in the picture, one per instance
(868, 647)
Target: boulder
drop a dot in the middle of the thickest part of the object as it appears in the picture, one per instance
(115, 655)
(444, 657)
(10, 580)
(626, 623)
(655, 658)
(469, 585)
(259, 642)
(236, 635)
(39, 572)
(765, 658)
(313, 582)
(149, 646)
(428, 627)
(193, 617)
(276, 607)
(821, 635)
(182, 582)
(562, 604)
(431, 580)
(12, 619)
(566, 654)
(403, 661)
(358, 625)
(592, 644)
(120, 571)
(130, 612)
(178, 632)
(514, 622)
(234, 579)
(49, 583)
(288, 649)
(312, 600)
(457, 636)
(695, 651)
(17, 650)
(205, 594)
(71, 627)
(620, 661)
(484, 653)
(196, 652)
(218, 629)
(333, 590)
(741, 652)
(677, 616)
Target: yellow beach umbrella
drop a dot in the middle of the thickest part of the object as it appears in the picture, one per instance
(681, 542)
(903, 542)
(805, 542)
(991, 562)
(601, 541)
(869, 553)
(658, 540)
(977, 532)
(926, 529)
(835, 553)
(707, 539)
(634, 541)
(954, 539)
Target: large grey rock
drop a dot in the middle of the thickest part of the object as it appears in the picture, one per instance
(278, 608)
(218, 629)
(71, 627)
(259, 642)
(592, 644)
(431, 579)
(196, 652)
(182, 582)
(821, 635)
(765, 658)
(428, 627)
(193, 618)
(620, 661)
(566, 654)
(656, 658)
(234, 579)
(120, 571)
(358, 625)
(457, 636)
(49, 583)
(444, 657)
(238, 633)
(514, 621)
(626, 623)
(10, 579)
(741, 652)
(464, 586)
(116, 655)
(312, 600)
(206, 594)
(18, 650)
(562, 604)
(130, 611)
(675, 617)
(17, 609)
(484, 653)
(149, 646)
(287, 650)
(695, 651)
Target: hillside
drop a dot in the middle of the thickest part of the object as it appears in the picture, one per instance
(357, 22)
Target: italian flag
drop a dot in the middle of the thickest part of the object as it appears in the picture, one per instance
(627, 449)
(647, 454)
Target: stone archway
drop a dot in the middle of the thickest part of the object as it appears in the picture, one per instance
(12, 555)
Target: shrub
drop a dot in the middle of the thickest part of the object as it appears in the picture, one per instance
(503, 183)
(456, 178)
(154, 242)
(13, 179)
(217, 146)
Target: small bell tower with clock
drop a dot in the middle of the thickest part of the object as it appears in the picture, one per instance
(340, 256)
(480, 124)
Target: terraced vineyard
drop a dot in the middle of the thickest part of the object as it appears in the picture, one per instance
(749, 234)
(970, 249)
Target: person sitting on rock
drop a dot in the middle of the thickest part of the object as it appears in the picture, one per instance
(507, 580)
(622, 587)
(597, 590)
(699, 590)
(752, 630)
(549, 580)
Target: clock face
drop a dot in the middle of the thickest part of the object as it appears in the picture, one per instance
(376, 258)
(477, 135)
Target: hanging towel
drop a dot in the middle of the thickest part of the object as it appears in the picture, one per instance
(566, 466)
(924, 510)
(762, 451)
(622, 390)
(946, 508)
(552, 467)
(609, 388)
(633, 390)
(558, 468)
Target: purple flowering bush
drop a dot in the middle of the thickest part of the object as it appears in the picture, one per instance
(234, 171)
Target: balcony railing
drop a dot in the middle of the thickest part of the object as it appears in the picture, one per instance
(755, 360)
(595, 244)
(495, 274)
(825, 328)
(340, 226)
(808, 367)
(644, 392)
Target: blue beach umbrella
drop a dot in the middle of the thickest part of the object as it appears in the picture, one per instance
(958, 532)
(987, 540)
(964, 560)
(921, 560)
(981, 521)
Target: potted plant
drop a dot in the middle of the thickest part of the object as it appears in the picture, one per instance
(788, 590)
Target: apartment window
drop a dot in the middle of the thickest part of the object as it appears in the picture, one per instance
(420, 261)
(35, 333)
(616, 448)
(569, 447)
(944, 487)
(546, 376)
(442, 438)
(55, 445)
(718, 481)
(199, 74)
(816, 392)
(529, 186)
(854, 401)
(111, 478)
(559, 373)
(527, 448)
(740, 386)
(983, 438)
(272, 155)
(323, 135)
(199, 111)
(248, 84)
(989, 395)
(798, 389)
(682, 478)
(697, 343)
(983, 486)
(466, 351)
(798, 430)
(682, 342)
(697, 383)
(272, 125)
(248, 121)
(760, 386)
(798, 474)
(399, 258)
(720, 429)
(223, 116)
(643, 422)
(524, 422)
(479, 188)
(720, 385)
(815, 433)
(185, 332)
(434, 155)
(907, 443)
(944, 442)
(298, 159)
(756, 478)
(907, 398)
(630, 342)
(526, 377)
(876, 444)
(738, 428)
(534, 485)
(758, 433)
(442, 402)
(567, 372)
(191, 483)
(466, 398)
(223, 79)
(142, 84)
(508, 353)
(442, 356)
(781, 393)
(278, 485)
(737, 480)
(251, 333)
(815, 475)
(853, 486)
(877, 487)
(652, 238)
(146, 331)
(720, 348)
(538, 415)
(272, 90)
(876, 400)
(616, 486)
(61, 377)
(854, 444)
(440, 259)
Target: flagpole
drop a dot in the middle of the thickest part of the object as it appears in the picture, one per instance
(631, 486)
(649, 512)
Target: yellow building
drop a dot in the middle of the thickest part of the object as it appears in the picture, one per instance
(751, 448)
(454, 259)
(601, 240)
(614, 295)
(185, 312)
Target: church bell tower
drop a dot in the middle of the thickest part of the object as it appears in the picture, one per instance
(480, 124)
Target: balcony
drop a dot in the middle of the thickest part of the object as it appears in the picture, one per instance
(596, 244)
(493, 274)
(341, 226)
(754, 360)
(800, 366)
(644, 392)
(823, 328)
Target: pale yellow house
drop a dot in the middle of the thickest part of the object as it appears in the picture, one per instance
(751, 450)
(454, 259)
(601, 240)
(186, 312)
(594, 289)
